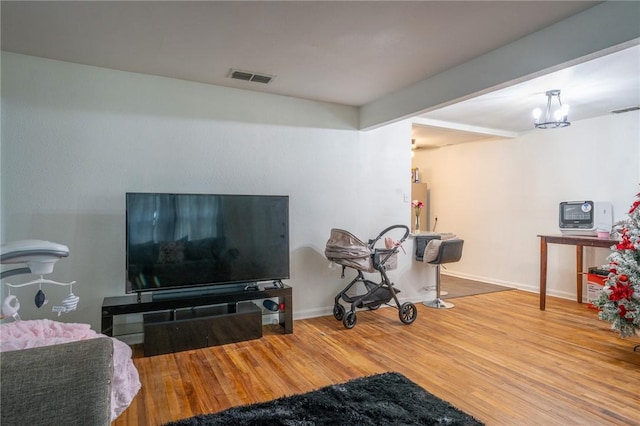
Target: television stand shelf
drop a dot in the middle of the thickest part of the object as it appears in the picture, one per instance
(124, 305)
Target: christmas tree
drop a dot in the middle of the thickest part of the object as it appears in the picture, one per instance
(619, 301)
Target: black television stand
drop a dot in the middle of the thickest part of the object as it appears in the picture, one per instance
(145, 303)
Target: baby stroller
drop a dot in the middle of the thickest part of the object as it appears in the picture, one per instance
(345, 249)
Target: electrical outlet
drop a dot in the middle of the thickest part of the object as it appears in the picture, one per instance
(405, 197)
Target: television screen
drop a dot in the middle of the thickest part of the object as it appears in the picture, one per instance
(188, 240)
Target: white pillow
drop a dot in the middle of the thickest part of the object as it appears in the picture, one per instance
(431, 250)
(448, 236)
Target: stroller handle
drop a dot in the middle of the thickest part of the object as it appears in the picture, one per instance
(373, 242)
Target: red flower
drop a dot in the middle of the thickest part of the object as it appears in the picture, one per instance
(620, 291)
(625, 243)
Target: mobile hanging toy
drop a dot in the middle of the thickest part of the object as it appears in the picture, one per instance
(40, 257)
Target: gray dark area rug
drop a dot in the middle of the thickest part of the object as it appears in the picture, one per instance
(461, 287)
(382, 399)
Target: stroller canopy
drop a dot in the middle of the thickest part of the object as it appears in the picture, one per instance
(346, 249)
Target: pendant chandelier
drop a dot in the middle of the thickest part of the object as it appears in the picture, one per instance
(554, 116)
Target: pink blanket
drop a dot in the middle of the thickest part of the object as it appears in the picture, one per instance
(44, 332)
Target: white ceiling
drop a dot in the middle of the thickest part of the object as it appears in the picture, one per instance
(350, 53)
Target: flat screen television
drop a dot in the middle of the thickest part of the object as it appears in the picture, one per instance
(186, 241)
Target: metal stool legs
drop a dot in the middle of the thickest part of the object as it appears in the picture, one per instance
(438, 303)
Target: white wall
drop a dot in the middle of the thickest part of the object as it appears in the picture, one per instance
(76, 138)
(499, 195)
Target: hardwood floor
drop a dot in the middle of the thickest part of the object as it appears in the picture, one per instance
(495, 356)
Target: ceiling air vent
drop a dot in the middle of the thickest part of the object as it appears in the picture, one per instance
(250, 76)
(620, 111)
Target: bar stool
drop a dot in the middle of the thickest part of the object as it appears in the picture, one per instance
(449, 251)
(421, 244)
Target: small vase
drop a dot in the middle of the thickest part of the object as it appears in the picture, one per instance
(416, 228)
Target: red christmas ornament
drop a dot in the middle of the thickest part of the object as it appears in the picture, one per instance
(622, 311)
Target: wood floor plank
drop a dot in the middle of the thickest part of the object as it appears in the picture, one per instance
(495, 356)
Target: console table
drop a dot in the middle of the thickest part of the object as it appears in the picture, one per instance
(122, 305)
(574, 240)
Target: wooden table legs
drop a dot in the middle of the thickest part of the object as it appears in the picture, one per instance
(579, 273)
(543, 272)
(580, 242)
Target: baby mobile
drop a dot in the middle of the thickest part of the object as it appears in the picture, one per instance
(11, 304)
(40, 257)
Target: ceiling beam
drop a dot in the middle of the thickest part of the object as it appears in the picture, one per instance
(600, 30)
(421, 121)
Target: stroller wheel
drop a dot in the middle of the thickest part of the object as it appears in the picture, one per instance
(374, 307)
(338, 311)
(408, 313)
(349, 320)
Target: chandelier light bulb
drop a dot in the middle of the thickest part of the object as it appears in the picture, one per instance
(537, 113)
(558, 115)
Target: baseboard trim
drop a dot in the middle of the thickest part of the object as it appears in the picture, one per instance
(324, 311)
(519, 286)
(487, 280)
